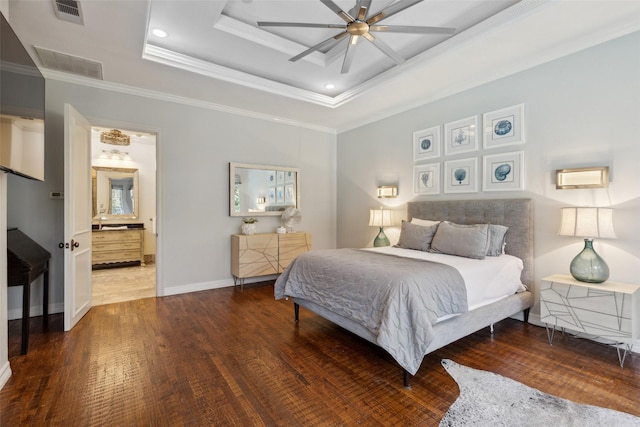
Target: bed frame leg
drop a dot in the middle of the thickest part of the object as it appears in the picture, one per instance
(296, 311)
(526, 315)
(405, 378)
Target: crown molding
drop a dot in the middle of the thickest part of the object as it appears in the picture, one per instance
(161, 96)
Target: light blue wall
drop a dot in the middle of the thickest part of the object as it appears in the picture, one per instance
(582, 110)
(194, 148)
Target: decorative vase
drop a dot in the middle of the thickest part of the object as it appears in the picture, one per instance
(248, 228)
(588, 266)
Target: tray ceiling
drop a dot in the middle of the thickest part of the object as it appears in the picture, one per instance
(216, 53)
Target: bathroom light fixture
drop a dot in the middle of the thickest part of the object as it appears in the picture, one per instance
(115, 155)
(589, 223)
(380, 218)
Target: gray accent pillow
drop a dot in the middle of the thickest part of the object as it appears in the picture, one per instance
(414, 236)
(497, 236)
(468, 241)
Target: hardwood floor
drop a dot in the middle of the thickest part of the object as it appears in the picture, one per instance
(228, 357)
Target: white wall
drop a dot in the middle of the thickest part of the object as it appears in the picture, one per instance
(581, 110)
(194, 148)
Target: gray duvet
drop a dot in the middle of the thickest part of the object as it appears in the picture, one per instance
(397, 299)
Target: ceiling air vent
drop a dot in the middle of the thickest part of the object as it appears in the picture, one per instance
(68, 10)
(69, 64)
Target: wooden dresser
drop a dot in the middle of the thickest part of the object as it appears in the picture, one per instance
(117, 246)
(265, 254)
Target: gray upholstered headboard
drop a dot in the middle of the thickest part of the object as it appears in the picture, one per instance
(517, 214)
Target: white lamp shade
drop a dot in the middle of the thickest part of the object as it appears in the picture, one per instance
(587, 222)
(380, 217)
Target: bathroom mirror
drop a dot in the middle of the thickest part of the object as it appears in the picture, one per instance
(114, 193)
(262, 190)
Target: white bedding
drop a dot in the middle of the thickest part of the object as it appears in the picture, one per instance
(487, 280)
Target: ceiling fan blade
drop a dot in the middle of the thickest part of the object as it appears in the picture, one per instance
(336, 9)
(385, 48)
(348, 57)
(360, 4)
(299, 24)
(362, 12)
(412, 29)
(391, 10)
(320, 45)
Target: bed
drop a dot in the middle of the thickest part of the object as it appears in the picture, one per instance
(387, 302)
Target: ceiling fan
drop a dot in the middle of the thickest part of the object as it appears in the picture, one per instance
(362, 25)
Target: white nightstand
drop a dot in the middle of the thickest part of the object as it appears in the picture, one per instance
(609, 310)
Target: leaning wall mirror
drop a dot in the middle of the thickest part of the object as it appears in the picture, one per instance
(114, 193)
(262, 190)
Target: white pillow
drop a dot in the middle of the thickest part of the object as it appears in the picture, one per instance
(424, 222)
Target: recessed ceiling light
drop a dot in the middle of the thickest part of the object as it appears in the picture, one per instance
(159, 33)
(329, 86)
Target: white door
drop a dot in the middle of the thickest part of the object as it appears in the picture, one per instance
(77, 216)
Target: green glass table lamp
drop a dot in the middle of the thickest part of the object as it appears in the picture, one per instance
(588, 223)
(380, 218)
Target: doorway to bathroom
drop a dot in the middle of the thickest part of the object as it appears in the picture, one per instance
(123, 215)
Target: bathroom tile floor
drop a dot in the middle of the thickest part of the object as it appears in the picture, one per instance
(112, 285)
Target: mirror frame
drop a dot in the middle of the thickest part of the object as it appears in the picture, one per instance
(112, 172)
(232, 173)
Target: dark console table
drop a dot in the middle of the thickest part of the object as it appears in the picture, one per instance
(26, 261)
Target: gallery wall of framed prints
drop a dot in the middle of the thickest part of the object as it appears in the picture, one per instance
(444, 159)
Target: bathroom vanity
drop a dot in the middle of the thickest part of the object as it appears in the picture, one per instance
(115, 245)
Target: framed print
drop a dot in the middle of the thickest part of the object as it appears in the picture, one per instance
(461, 176)
(503, 127)
(426, 179)
(279, 177)
(461, 136)
(271, 177)
(280, 193)
(426, 144)
(288, 193)
(503, 172)
(289, 176)
(271, 194)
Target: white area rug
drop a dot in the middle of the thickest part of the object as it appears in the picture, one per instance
(488, 399)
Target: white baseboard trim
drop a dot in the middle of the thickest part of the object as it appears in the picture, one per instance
(5, 374)
(204, 286)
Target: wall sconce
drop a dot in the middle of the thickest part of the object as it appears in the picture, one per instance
(381, 218)
(588, 223)
(387, 191)
(594, 177)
